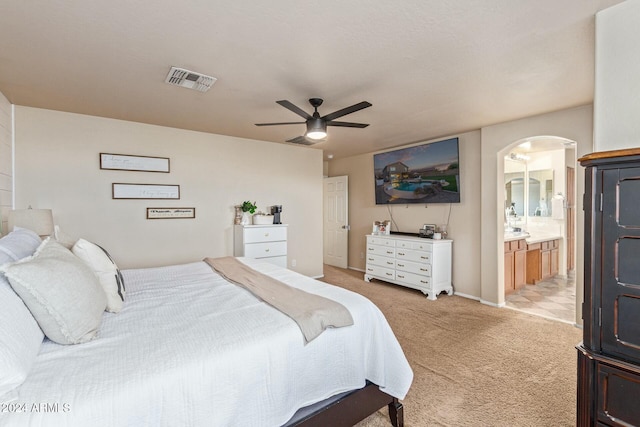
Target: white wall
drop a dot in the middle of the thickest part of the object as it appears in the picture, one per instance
(617, 77)
(6, 170)
(575, 124)
(464, 224)
(57, 166)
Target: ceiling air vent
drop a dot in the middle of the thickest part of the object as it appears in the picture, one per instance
(189, 79)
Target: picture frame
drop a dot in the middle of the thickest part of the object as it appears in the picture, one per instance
(126, 162)
(145, 191)
(382, 228)
(171, 213)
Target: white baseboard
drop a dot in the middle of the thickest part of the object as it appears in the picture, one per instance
(492, 304)
(466, 296)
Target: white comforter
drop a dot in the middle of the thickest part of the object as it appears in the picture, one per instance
(191, 349)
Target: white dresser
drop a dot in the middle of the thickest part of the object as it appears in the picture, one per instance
(415, 262)
(267, 242)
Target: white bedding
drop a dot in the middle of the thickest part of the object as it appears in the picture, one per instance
(190, 349)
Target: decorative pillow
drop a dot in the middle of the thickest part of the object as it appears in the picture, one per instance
(62, 237)
(107, 271)
(62, 293)
(18, 244)
(20, 339)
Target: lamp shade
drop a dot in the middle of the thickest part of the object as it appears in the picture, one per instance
(38, 220)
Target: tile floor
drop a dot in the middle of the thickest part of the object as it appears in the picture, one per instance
(554, 298)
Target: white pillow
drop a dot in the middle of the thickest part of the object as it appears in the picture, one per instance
(18, 244)
(107, 271)
(20, 339)
(61, 292)
(63, 238)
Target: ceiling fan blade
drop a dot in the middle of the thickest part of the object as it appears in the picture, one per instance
(348, 110)
(347, 124)
(283, 123)
(304, 140)
(299, 111)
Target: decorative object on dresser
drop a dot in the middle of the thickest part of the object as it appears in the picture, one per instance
(609, 356)
(414, 262)
(381, 228)
(262, 219)
(266, 242)
(248, 209)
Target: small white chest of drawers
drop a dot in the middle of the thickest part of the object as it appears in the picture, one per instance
(266, 242)
(414, 262)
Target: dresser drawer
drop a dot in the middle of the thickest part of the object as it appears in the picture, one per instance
(374, 240)
(413, 279)
(381, 250)
(263, 250)
(383, 261)
(382, 272)
(264, 234)
(413, 255)
(419, 246)
(413, 267)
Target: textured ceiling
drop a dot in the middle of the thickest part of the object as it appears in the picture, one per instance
(430, 68)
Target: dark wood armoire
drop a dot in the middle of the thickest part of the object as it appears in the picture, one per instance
(609, 356)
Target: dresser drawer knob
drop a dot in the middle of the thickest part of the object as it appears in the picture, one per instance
(424, 269)
(401, 277)
(400, 265)
(389, 262)
(424, 257)
(266, 234)
(266, 250)
(425, 282)
(401, 253)
(389, 252)
(370, 259)
(389, 274)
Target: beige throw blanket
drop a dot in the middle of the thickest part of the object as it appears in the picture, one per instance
(311, 312)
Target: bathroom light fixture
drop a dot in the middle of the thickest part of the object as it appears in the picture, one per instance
(519, 157)
(316, 128)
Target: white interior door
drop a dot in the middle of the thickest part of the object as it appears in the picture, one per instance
(336, 227)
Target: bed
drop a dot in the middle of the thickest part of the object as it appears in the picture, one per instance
(190, 348)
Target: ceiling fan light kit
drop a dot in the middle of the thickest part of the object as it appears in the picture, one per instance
(316, 129)
(316, 125)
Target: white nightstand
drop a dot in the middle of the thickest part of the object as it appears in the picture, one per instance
(266, 242)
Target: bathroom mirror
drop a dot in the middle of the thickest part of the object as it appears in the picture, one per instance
(514, 191)
(540, 190)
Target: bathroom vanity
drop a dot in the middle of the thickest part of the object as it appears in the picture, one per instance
(529, 259)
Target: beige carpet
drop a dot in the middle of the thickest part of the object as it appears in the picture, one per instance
(474, 365)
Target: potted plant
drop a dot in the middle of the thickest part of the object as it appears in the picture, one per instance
(248, 208)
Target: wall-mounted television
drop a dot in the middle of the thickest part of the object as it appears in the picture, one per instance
(427, 173)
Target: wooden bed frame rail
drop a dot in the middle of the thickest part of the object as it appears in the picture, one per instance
(350, 408)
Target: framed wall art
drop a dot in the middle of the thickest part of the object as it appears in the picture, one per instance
(145, 191)
(125, 162)
(170, 213)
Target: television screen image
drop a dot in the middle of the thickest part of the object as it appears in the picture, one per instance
(427, 173)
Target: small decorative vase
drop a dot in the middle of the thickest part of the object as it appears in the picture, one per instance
(238, 218)
(246, 218)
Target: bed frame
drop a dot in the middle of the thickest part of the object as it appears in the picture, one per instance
(347, 409)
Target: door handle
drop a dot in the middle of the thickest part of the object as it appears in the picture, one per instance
(346, 227)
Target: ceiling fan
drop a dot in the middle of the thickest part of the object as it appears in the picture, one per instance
(316, 125)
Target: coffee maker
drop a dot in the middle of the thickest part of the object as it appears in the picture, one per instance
(275, 211)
